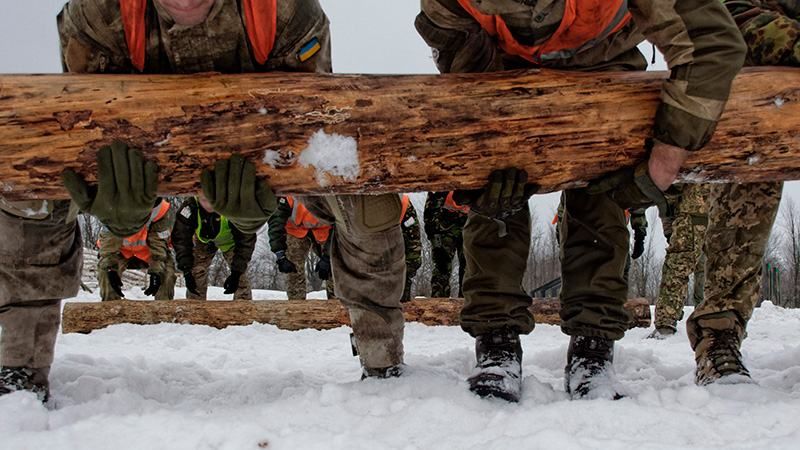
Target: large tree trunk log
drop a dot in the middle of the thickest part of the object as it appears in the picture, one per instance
(287, 315)
(414, 133)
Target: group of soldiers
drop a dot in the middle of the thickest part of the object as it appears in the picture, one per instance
(705, 43)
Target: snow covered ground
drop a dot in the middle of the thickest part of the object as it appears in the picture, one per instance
(192, 387)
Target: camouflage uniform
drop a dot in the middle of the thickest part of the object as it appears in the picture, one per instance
(704, 50)
(444, 228)
(413, 247)
(741, 215)
(195, 256)
(296, 251)
(686, 232)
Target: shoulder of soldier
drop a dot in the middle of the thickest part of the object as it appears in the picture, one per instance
(97, 24)
(299, 23)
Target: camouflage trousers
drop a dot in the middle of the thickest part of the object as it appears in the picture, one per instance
(684, 257)
(165, 292)
(368, 262)
(443, 248)
(740, 221)
(203, 256)
(297, 251)
(40, 264)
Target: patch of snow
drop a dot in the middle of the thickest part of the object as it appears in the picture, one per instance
(262, 111)
(331, 154)
(37, 213)
(779, 101)
(753, 160)
(272, 158)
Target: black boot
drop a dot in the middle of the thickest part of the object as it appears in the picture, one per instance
(13, 379)
(384, 372)
(499, 370)
(589, 373)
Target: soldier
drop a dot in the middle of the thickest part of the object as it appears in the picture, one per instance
(413, 245)
(146, 249)
(41, 254)
(198, 234)
(444, 222)
(293, 231)
(703, 49)
(740, 216)
(685, 230)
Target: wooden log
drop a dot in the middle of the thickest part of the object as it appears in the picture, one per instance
(413, 132)
(287, 315)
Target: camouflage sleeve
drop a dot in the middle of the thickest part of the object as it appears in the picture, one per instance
(109, 256)
(704, 51)
(158, 241)
(92, 37)
(303, 41)
(244, 246)
(183, 235)
(770, 30)
(433, 206)
(411, 238)
(277, 226)
(458, 42)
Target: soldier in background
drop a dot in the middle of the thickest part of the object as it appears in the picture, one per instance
(146, 249)
(685, 230)
(740, 216)
(444, 222)
(199, 233)
(409, 224)
(293, 232)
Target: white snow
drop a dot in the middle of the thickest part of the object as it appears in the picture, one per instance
(331, 154)
(272, 158)
(191, 387)
(779, 101)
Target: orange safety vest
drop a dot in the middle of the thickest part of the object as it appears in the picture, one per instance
(260, 18)
(136, 245)
(585, 23)
(406, 204)
(302, 221)
(451, 204)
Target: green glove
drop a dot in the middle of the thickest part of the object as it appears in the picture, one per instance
(236, 193)
(125, 193)
(631, 188)
(506, 193)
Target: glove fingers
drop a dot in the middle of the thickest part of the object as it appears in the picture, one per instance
(106, 185)
(208, 184)
(150, 181)
(506, 199)
(489, 201)
(122, 168)
(518, 195)
(235, 170)
(221, 183)
(136, 164)
(266, 198)
(77, 188)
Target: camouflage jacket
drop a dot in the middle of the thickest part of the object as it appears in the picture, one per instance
(771, 30)
(158, 240)
(700, 43)
(185, 228)
(439, 219)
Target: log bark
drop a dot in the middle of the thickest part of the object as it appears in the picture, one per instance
(286, 315)
(414, 132)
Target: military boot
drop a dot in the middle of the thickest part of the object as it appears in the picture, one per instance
(717, 353)
(499, 369)
(13, 379)
(589, 373)
(378, 342)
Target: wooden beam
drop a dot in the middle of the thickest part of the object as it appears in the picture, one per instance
(287, 315)
(413, 132)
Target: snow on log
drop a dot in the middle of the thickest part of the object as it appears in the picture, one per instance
(287, 315)
(317, 134)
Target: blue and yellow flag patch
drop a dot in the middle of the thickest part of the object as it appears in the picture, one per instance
(309, 49)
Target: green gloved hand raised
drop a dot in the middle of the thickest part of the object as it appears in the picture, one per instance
(631, 188)
(506, 193)
(236, 193)
(125, 193)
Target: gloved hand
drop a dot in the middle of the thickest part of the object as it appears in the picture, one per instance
(231, 284)
(506, 193)
(155, 284)
(631, 188)
(323, 268)
(638, 243)
(191, 283)
(235, 192)
(125, 191)
(115, 281)
(284, 265)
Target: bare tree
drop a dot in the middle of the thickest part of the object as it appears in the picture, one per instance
(790, 250)
(644, 276)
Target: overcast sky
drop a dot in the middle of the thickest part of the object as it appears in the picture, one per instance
(369, 36)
